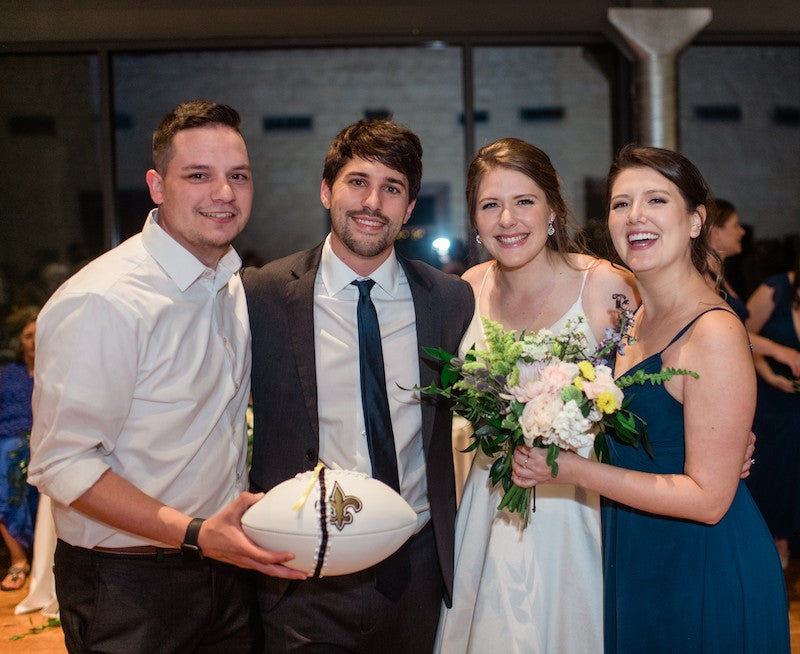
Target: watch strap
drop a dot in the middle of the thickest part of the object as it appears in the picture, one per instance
(189, 547)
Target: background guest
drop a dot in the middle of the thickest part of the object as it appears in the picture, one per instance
(18, 500)
(725, 237)
(774, 313)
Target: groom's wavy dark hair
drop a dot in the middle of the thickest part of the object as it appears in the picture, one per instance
(381, 140)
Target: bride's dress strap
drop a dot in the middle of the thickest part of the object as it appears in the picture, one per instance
(488, 270)
(586, 272)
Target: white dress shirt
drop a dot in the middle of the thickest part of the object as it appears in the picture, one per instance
(142, 367)
(342, 437)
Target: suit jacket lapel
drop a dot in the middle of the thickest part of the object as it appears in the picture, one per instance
(299, 296)
(428, 335)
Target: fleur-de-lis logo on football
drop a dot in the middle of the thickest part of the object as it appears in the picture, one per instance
(343, 507)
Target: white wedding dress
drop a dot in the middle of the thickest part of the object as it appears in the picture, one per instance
(531, 590)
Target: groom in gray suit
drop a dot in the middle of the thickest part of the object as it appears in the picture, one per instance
(308, 402)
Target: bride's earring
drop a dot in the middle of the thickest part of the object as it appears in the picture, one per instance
(478, 239)
(550, 229)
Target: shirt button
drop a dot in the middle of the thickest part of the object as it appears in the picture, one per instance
(311, 455)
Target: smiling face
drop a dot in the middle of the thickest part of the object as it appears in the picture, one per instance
(511, 216)
(206, 191)
(726, 239)
(369, 204)
(649, 221)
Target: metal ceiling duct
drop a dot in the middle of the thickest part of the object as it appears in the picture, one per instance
(656, 37)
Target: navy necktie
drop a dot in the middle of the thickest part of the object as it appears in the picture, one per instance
(375, 402)
(392, 574)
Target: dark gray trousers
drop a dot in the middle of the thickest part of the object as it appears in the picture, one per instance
(154, 603)
(347, 614)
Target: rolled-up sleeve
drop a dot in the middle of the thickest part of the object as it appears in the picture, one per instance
(85, 375)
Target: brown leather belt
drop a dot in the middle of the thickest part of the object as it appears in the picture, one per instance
(148, 550)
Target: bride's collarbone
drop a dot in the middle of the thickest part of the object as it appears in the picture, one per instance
(531, 310)
(527, 316)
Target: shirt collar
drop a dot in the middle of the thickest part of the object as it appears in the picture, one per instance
(181, 265)
(337, 275)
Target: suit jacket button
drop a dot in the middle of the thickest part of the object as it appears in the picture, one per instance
(311, 455)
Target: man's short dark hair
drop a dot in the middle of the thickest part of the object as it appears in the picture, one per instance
(381, 140)
(193, 113)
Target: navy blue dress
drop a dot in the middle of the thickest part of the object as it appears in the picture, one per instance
(18, 500)
(674, 585)
(775, 480)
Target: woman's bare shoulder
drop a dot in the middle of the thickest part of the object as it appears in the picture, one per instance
(475, 275)
(607, 279)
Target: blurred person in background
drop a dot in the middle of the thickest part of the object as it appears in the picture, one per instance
(774, 313)
(18, 500)
(725, 238)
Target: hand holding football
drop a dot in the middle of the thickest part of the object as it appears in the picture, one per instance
(348, 521)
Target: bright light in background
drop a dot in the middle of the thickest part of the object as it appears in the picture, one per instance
(441, 245)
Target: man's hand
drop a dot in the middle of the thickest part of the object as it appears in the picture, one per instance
(222, 538)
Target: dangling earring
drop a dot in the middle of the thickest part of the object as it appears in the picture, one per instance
(550, 229)
(478, 239)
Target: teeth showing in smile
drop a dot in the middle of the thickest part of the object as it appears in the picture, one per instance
(369, 222)
(510, 240)
(225, 214)
(642, 236)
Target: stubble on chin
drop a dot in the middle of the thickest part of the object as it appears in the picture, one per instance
(364, 245)
(367, 248)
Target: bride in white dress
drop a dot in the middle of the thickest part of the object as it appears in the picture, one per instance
(534, 589)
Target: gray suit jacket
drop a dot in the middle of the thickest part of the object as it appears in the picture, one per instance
(280, 298)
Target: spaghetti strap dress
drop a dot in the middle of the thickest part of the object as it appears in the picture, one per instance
(674, 585)
(525, 590)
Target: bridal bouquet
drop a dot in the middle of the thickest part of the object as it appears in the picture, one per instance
(542, 389)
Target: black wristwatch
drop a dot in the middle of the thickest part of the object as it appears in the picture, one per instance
(189, 548)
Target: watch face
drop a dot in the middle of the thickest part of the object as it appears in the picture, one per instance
(191, 551)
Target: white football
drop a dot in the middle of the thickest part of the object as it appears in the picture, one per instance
(336, 522)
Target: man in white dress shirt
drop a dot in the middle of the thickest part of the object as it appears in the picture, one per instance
(142, 380)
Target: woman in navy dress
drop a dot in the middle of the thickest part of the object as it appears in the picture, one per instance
(18, 500)
(774, 313)
(725, 238)
(689, 563)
